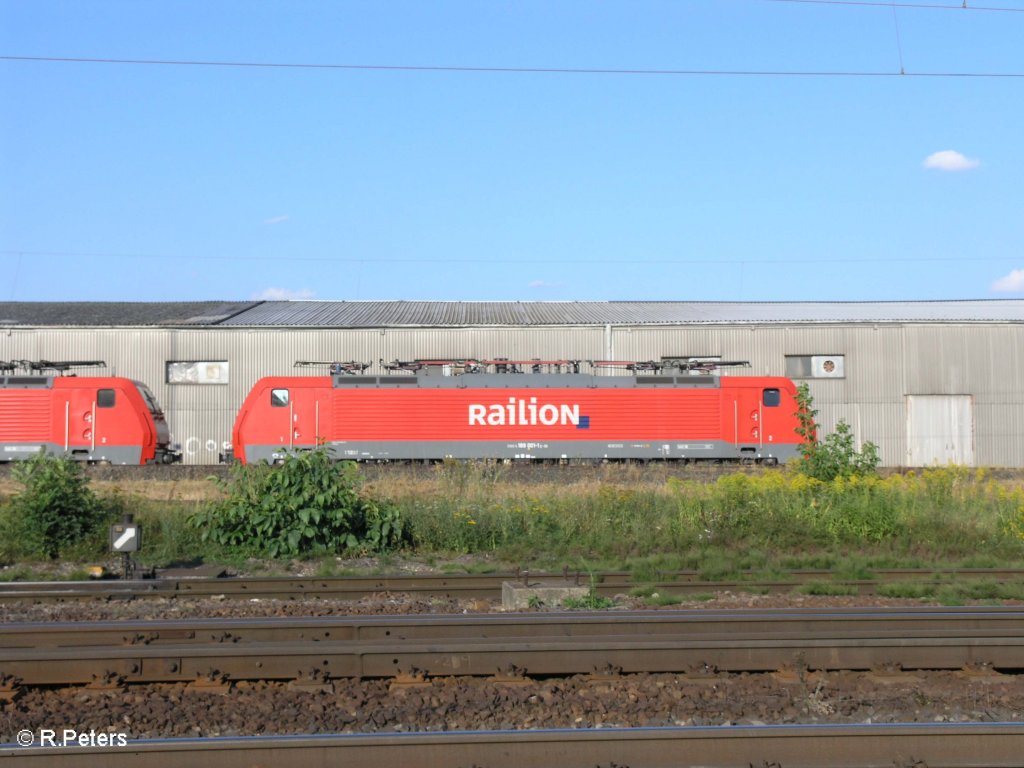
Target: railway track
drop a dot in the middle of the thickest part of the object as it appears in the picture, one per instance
(315, 650)
(471, 586)
(995, 745)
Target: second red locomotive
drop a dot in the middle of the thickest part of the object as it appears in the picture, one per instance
(531, 410)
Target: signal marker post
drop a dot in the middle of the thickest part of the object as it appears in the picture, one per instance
(125, 538)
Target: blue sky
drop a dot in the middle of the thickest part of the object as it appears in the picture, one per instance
(423, 177)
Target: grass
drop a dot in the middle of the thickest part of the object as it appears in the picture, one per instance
(907, 590)
(662, 599)
(725, 526)
(754, 589)
(476, 518)
(18, 573)
(592, 602)
(824, 588)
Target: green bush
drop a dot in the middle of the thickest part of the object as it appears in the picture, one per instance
(307, 504)
(835, 456)
(56, 511)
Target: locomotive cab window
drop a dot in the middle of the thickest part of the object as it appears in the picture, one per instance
(279, 398)
(150, 399)
(771, 398)
(105, 398)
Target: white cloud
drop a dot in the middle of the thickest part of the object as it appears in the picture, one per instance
(282, 294)
(543, 284)
(1011, 283)
(276, 220)
(950, 160)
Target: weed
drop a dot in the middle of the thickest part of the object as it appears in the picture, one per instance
(824, 588)
(753, 589)
(308, 504)
(950, 595)
(644, 591)
(835, 456)
(328, 568)
(914, 590)
(658, 598)
(591, 602)
(17, 573)
(56, 512)
(853, 569)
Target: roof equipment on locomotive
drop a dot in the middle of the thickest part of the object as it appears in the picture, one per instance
(349, 368)
(38, 366)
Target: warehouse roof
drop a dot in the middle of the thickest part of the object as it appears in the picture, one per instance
(98, 314)
(376, 314)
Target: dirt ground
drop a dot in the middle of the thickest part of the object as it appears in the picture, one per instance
(580, 701)
(458, 703)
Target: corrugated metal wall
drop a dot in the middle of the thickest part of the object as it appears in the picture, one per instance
(884, 363)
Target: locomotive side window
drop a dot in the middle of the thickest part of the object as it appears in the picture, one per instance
(771, 398)
(105, 398)
(151, 403)
(279, 398)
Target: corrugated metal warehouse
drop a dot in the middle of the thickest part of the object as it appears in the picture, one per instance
(928, 382)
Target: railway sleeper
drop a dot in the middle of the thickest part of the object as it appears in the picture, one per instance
(108, 680)
(605, 673)
(313, 680)
(213, 681)
(890, 673)
(510, 674)
(10, 688)
(701, 672)
(797, 676)
(414, 678)
(982, 672)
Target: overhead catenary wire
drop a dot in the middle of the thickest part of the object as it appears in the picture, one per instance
(899, 43)
(509, 70)
(370, 260)
(962, 6)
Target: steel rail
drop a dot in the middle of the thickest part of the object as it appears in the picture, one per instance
(988, 745)
(288, 661)
(469, 586)
(706, 623)
(550, 649)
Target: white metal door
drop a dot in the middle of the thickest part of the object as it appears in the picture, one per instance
(940, 430)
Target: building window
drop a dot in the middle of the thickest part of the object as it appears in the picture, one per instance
(816, 366)
(197, 372)
(105, 398)
(278, 398)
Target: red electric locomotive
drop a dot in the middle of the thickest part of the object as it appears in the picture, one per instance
(108, 419)
(531, 410)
